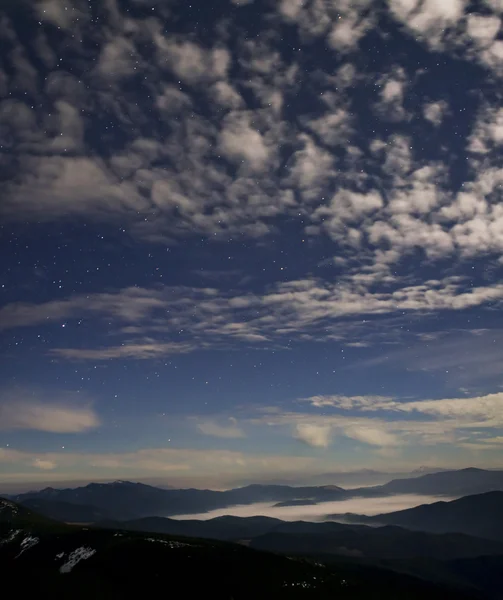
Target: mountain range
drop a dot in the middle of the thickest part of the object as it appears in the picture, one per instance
(124, 500)
(479, 515)
(78, 562)
(328, 538)
(462, 482)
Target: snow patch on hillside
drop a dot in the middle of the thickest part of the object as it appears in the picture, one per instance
(171, 544)
(75, 557)
(28, 542)
(12, 534)
(4, 504)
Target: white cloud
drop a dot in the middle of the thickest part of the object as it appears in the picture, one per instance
(17, 411)
(317, 436)
(428, 18)
(291, 8)
(44, 465)
(311, 169)
(139, 351)
(240, 142)
(435, 112)
(333, 128)
(230, 430)
(346, 32)
(191, 62)
(485, 411)
(185, 467)
(488, 131)
(118, 58)
(347, 402)
(172, 100)
(62, 15)
(210, 318)
(225, 95)
(318, 511)
(482, 30)
(373, 436)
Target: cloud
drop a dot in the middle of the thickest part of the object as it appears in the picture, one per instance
(435, 112)
(200, 318)
(373, 436)
(138, 351)
(392, 95)
(482, 29)
(429, 18)
(44, 465)
(392, 424)
(61, 15)
(18, 411)
(239, 142)
(348, 402)
(118, 58)
(319, 511)
(487, 409)
(246, 127)
(488, 131)
(462, 357)
(190, 61)
(185, 466)
(317, 436)
(231, 430)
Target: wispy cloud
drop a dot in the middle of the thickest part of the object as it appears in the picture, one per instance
(44, 465)
(228, 430)
(179, 464)
(20, 411)
(203, 317)
(313, 435)
(487, 409)
(392, 424)
(138, 351)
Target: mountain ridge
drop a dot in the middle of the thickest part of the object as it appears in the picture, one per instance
(479, 515)
(83, 563)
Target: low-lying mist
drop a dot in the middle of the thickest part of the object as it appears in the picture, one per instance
(315, 512)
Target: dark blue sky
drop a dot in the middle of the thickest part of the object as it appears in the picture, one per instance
(243, 239)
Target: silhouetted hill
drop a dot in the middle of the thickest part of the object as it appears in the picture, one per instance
(66, 511)
(295, 503)
(448, 483)
(301, 537)
(83, 563)
(361, 477)
(479, 515)
(125, 500)
(377, 543)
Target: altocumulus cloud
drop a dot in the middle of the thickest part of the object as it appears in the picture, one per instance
(377, 197)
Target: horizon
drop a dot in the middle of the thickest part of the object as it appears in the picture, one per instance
(23, 487)
(249, 240)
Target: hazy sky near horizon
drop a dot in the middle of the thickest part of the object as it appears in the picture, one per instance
(249, 239)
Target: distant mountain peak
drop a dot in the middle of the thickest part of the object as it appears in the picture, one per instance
(424, 470)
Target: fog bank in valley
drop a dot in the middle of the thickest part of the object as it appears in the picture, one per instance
(363, 506)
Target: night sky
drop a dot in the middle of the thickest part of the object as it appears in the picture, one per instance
(243, 240)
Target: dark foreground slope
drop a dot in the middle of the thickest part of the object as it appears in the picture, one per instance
(302, 537)
(57, 561)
